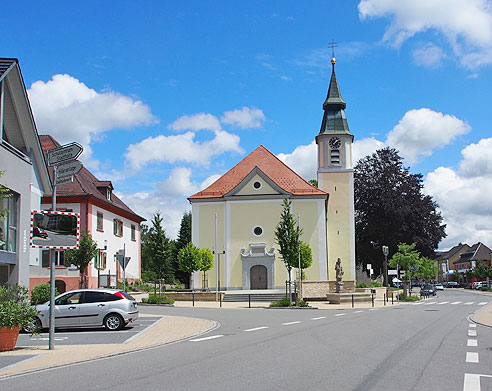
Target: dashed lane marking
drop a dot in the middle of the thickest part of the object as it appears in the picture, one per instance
(472, 381)
(340, 314)
(206, 338)
(257, 328)
(469, 303)
(430, 303)
(289, 323)
(472, 326)
(472, 357)
(319, 317)
(373, 309)
(456, 302)
(483, 303)
(472, 342)
(358, 312)
(472, 333)
(443, 302)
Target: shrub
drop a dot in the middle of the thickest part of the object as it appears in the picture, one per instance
(362, 285)
(15, 307)
(158, 299)
(376, 284)
(485, 288)
(41, 294)
(285, 302)
(405, 297)
(149, 276)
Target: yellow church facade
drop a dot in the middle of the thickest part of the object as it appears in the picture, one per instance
(236, 216)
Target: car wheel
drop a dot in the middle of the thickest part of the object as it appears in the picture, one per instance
(37, 326)
(114, 322)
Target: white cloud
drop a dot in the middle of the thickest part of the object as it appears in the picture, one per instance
(178, 183)
(70, 111)
(180, 148)
(420, 131)
(428, 55)
(364, 147)
(466, 24)
(244, 118)
(196, 122)
(208, 181)
(477, 159)
(302, 160)
(464, 196)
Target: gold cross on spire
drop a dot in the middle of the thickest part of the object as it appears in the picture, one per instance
(332, 46)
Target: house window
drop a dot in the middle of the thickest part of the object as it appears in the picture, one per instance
(100, 262)
(117, 227)
(8, 223)
(133, 232)
(59, 258)
(335, 156)
(99, 221)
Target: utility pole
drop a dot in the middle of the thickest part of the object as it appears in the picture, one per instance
(51, 335)
(385, 252)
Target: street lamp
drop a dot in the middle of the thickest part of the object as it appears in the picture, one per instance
(385, 252)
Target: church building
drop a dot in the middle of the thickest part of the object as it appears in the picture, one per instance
(236, 216)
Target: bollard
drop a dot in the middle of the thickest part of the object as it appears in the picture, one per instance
(391, 298)
(384, 298)
(193, 297)
(220, 299)
(372, 299)
(249, 301)
(352, 301)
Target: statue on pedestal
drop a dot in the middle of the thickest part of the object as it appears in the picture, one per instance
(339, 275)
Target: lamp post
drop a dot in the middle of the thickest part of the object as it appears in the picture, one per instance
(385, 252)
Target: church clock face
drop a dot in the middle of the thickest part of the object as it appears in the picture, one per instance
(334, 143)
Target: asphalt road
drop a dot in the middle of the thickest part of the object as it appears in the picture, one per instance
(410, 347)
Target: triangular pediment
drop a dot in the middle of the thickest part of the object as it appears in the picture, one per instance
(257, 183)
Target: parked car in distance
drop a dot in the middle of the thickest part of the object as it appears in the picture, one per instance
(109, 308)
(39, 232)
(452, 284)
(439, 287)
(427, 290)
(477, 285)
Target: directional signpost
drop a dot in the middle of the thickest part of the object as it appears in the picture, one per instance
(64, 167)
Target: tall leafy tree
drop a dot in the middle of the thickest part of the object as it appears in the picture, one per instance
(206, 261)
(159, 250)
(82, 256)
(287, 236)
(189, 258)
(406, 258)
(184, 237)
(390, 208)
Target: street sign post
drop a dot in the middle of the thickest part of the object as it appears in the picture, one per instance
(57, 156)
(68, 169)
(63, 154)
(61, 181)
(123, 261)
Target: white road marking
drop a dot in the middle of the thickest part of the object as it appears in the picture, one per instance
(472, 342)
(443, 302)
(289, 323)
(472, 357)
(340, 314)
(416, 303)
(45, 339)
(358, 312)
(456, 302)
(472, 326)
(472, 382)
(483, 303)
(432, 302)
(472, 333)
(373, 309)
(206, 338)
(257, 328)
(469, 303)
(319, 317)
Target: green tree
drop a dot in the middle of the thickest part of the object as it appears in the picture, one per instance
(426, 269)
(390, 208)
(406, 258)
(158, 250)
(184, 237)
(313, 182)
(287, 236)
(306, 257)
(481, 270)
(206, 262)
(189, 258)
(82, 256)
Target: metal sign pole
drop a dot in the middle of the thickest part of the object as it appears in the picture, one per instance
(124, 268)
(52, 271)
(216, 264)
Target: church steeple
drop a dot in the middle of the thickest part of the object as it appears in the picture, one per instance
(334, 120)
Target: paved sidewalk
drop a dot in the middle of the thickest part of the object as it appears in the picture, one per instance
(166, 330)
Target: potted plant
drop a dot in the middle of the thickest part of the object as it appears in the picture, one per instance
(16, 312)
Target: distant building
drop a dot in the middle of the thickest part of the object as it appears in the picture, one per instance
(446, 260)
(245, 204)
(468, 259)
(111, 223)
(24, 173)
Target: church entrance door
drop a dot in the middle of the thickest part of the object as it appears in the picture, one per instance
(258, 275)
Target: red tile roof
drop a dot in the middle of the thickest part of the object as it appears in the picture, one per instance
(84, 183)
(270, 165)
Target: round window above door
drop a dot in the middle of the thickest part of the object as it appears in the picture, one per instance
(258, 231)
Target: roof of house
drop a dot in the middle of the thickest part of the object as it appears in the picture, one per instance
(270, 165)
(5, 64)
(477, 252)
(84, 182)
(452, 251)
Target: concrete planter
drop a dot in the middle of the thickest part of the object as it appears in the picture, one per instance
(8, 338)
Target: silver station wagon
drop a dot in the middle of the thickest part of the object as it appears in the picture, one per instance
(111, 308)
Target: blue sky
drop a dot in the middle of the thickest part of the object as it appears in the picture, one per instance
(167, 96)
